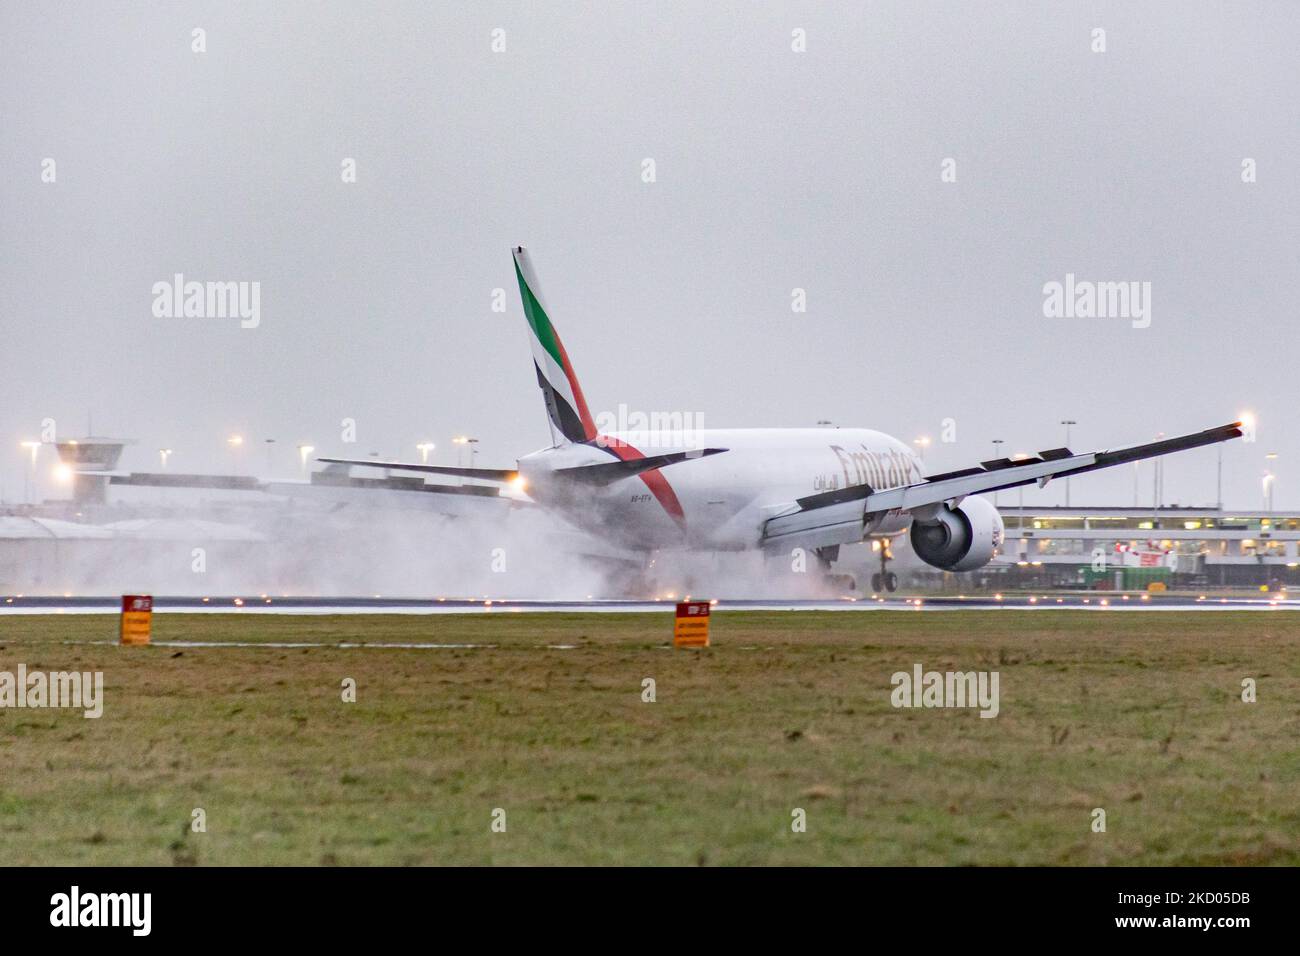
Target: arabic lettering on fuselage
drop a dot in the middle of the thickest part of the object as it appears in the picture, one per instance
(826, 483)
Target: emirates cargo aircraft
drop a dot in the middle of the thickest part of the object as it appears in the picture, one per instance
(775, 489)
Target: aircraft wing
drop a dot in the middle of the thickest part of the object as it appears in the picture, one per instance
(484, 474)
(334, 486)
(840, 517)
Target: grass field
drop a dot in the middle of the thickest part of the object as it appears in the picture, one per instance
(1136, 713)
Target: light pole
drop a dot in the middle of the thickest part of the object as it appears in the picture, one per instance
(304, 452)
(1218, 494)
(1067, 422)
(462, 441)
(1021, 454)
(235, 442)
(997, 453)
(163, 455)
(1269, 481)
(424, 448)
(922, 443)
(1158, 478)
(29, 479)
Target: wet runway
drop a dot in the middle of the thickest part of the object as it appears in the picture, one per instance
(263, 604)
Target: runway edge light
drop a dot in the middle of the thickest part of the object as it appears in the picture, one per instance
(691, 625)
(137, 618)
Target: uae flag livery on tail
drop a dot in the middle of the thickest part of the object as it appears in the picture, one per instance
(564, 399)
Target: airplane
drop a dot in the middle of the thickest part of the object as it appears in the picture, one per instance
(770, 489)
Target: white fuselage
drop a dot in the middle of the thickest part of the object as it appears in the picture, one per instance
(719, 502)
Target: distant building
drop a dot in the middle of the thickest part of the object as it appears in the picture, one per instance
(1197, 546)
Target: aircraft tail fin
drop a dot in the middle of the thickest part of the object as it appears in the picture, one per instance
(566, 406)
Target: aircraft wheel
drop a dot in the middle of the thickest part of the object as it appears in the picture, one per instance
(875, 582)
(891, 581)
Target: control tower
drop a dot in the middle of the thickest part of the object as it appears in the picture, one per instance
(90, 454)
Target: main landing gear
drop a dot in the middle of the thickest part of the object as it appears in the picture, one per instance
(884, 579)
(825, 558)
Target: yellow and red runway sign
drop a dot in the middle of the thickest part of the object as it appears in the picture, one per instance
(137, 618)
(691, 628)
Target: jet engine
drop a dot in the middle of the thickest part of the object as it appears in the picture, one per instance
(959, 539)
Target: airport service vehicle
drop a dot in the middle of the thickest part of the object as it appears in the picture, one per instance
(776, 489)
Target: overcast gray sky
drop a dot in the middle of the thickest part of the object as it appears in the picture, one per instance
(774, 170)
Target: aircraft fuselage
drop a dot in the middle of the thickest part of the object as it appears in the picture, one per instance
(722, 501)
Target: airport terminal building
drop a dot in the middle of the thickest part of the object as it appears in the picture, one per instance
(1191, 547)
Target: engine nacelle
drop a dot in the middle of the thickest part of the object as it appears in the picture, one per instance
(959, 539)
